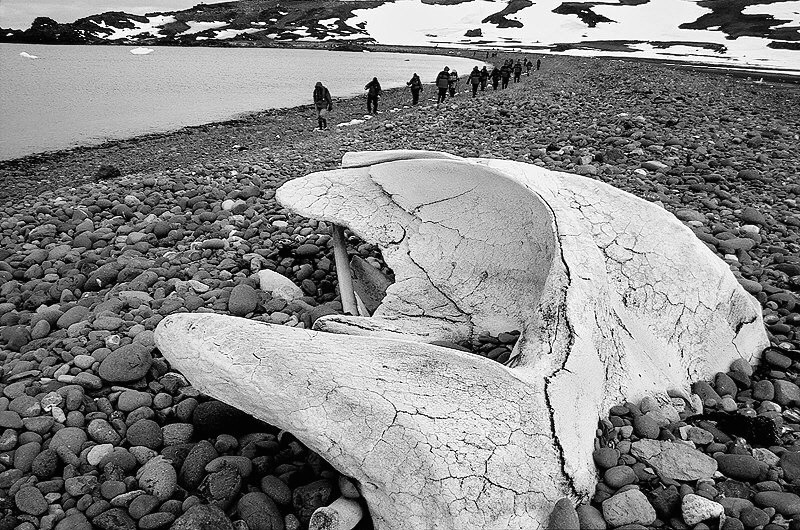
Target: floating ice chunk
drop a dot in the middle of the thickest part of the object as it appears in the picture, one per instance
(28, 55)
(141, 51)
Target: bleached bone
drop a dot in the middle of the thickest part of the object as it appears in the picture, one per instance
(615, 299)
(341, 514)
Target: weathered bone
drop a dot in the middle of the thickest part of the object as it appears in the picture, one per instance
(343, 274)
(341, 514)
(614, 297)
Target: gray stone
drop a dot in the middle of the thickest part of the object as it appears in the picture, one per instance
(674, 460)
(785, 503)
(740, 467)
(243, 300)
(785, 392)
(260, 512)
(628, 507)
(563, 516)
(696, 509)
(30, 500)
(125, 364)
(590, 518)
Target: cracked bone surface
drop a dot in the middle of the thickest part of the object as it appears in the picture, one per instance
(614, 297)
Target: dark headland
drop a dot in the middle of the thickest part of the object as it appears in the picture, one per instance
(88, 267)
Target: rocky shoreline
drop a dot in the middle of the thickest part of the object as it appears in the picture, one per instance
(89, 267)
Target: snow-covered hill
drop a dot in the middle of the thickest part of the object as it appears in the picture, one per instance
(753, 33)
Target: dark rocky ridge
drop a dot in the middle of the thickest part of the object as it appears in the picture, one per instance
(278, 24)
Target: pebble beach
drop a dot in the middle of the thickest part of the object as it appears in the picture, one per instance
(97, 430)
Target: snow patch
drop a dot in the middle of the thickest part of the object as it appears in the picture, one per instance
(198, 27)
(152, 26)
(350, 123)
(231, 33)
(780, 11)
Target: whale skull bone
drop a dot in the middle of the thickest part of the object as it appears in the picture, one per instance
(614, 297)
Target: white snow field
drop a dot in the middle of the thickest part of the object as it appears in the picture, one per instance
(410, 22)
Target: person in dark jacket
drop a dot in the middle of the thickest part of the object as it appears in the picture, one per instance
(505, 74)
(484, 78)
(416, 88)
(442, 83)
(538, 63)
(474, 80)
(495, 75)
(517, 71)
(453, 83)
(323, 104)
(373, 89)
(528, 66)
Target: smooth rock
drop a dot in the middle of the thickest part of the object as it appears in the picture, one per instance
(127, 363)
(260, 512)
(30, 500)
(280, 286)
(785, 503)
(696, 509)
(563, 516)
(628, 507)
(203, 517)
(158, 478)
(739, 467)
(243, 300)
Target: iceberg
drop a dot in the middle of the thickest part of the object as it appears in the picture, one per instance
(141, 51)
(28, 55)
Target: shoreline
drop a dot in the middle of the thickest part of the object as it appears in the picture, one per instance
(480, 55)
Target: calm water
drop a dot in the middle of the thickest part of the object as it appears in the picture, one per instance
(77, 95)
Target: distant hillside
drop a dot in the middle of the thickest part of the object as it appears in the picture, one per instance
(762, 33)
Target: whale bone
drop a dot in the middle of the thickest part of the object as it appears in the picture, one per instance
(615, 299)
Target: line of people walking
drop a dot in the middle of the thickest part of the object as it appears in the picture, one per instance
(446, 84)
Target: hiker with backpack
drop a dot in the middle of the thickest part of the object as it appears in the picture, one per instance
(484, 78)
(474, 80)
(505, 73)
(323, 104)
(416, 88)
(453, 83)
(517, 71)
(373, 89)
(442, 83)
(495, 75)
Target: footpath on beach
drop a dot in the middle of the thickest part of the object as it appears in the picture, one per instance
(96, 430)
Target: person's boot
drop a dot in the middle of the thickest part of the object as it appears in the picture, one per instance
(324, 123)
(320, 121)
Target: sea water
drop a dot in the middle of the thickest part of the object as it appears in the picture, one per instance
(80, 95)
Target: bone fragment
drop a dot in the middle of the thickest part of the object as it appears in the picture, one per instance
(343, 271)
(341, 514)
